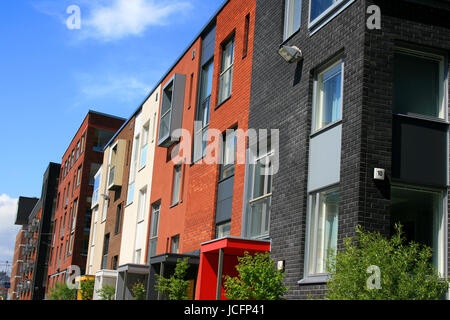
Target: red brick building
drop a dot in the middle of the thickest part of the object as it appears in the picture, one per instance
(208, 90)
(20, 263)
(72, 220)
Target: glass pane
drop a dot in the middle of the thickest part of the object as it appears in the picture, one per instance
(223, 230)
(320, 6)
(259, 217)
(154, 224)
(225, 85)
(329, 102)
(323, 230)
(164, 126)
(176, 184)
(167, 99)
(417, 85)
(144, 155)
(152, 247)
(421, 214)
(292, 17)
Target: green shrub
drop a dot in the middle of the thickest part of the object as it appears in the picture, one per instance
(405, 270)
(139, 292)
(87, 289)
(62, 292)
(107, 292)
(176, 286)
(258, 279)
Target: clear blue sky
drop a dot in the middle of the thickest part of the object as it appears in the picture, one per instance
(50, 76)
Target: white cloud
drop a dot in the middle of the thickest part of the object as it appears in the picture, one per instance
(124, 88)
(8, 230)
(117, 19)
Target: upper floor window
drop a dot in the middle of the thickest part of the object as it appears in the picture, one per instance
(292, 17)
(328, 89)
(176, 184)
(228, 155)
(419, 84)
(226, 70)
(144, 145)
(154, 229)
(203, 112)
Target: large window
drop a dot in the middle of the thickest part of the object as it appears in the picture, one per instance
(292, 17)
(175, 244)
(226, 70)
(144, 145)
(154, 229)
(166, 109)
(420, 212)
(328, 89)
(321, 8)
(203, 111)
(322, 230)
(105, 251)
(419, 84)
(228, 155)
(142, 204)
(133, 169)
(260, 198)
(176, 184)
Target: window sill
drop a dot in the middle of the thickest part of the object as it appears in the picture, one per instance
(290, 37)
(421, 118)
(129, 204)
(222, 103)
(326, 128)
(317, 279)
(175, 204)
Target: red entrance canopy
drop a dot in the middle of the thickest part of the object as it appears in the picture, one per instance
(219, 258)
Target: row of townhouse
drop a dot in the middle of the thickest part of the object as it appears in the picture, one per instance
(282, 126)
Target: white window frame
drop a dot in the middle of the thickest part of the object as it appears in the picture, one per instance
(142, 204)
(442, 263)
(153, 238)
(318, 94)
(334, 10)
(133, 169)
(310, 244)
(225, 69)
(251, 200)
(144, 144)
(289, 13)
(443, 77)
(176, 187)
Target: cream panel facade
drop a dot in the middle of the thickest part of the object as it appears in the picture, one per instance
(96, 238)
(137, 211)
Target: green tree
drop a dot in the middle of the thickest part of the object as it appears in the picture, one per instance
(139, 291)
(87, 289)
(62, 292)
(405, 270)
(176, 286)
(107, 292)
(257, 279)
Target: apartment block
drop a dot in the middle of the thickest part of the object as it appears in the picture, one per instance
(132, 266)
(21, 249)
(73, 214)
(363, 126)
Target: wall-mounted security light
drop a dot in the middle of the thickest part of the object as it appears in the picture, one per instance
(290, 53)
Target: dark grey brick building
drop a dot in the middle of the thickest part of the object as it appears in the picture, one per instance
(360, 99)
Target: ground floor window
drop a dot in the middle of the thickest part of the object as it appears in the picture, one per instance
(421, 213)
(323, 229)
